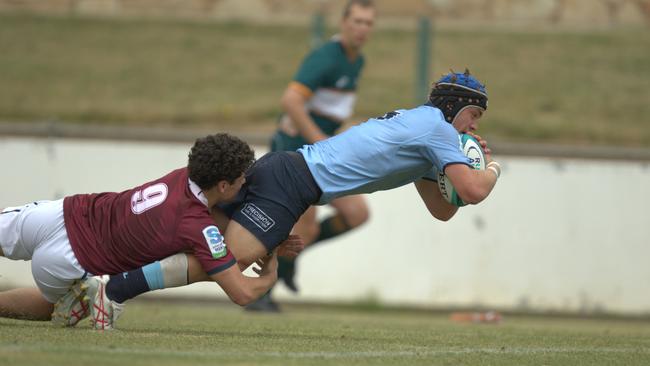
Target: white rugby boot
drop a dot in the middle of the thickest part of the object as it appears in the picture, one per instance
(104, 311)
(72, 307)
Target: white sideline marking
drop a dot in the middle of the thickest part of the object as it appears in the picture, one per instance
(332, 355)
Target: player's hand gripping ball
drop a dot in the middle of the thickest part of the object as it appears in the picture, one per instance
(472, 149)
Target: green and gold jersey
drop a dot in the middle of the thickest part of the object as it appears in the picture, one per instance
(329, 78)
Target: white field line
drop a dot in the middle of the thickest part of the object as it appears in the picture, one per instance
(329, 354)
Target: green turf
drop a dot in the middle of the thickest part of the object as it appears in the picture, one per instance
(552, 85)
(201, 334)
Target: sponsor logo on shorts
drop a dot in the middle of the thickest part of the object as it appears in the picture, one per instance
(215, 242)
(258, 217)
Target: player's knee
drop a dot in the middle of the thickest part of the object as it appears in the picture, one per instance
(356, 215)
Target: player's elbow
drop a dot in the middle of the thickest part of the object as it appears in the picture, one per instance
(473, 194)
(292, 100)
(242, 301)
(442, 212)
(289, 99)
(243, 297)
(443, 216)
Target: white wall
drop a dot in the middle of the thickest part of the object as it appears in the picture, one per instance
(556, 234)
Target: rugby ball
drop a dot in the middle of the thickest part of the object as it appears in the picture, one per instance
(473, 150)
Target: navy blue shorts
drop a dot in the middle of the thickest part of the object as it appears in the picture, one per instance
(279, 188)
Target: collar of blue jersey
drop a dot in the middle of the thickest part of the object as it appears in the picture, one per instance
(198, 193)
(429, 104)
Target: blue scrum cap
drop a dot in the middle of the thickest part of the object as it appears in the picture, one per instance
(455, 91)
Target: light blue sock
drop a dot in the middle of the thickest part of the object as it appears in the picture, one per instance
(154, 275)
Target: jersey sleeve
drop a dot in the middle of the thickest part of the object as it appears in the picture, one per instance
(314, 70)
(442, 148)
(431, 174)
(206, 241)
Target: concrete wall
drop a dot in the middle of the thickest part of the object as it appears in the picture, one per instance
(581, 13)
(556, 234)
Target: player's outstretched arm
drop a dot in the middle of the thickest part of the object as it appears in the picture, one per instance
(473, 186)
(291, 247)
(242, 289)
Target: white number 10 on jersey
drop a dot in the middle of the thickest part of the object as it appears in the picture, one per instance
(148, 198)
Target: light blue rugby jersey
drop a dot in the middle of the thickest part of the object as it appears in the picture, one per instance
(384, 153)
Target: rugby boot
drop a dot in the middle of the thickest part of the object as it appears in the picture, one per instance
(104, 311)
(72, 307)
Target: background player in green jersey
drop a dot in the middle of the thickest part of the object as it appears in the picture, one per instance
(317, 101)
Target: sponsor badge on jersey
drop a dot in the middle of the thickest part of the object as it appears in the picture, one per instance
(342, 82)
(215, 242)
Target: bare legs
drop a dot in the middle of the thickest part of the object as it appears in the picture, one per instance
(25, 303)
(351, 212)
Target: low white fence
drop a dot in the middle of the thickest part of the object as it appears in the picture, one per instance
(556, 234)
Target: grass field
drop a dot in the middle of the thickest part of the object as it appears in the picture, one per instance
(550, 85)
(201, 334)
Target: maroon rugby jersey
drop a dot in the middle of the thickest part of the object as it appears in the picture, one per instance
(116, 232)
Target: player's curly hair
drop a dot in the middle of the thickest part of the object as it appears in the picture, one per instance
(218, 157)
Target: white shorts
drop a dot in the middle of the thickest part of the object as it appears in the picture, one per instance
(37, 232)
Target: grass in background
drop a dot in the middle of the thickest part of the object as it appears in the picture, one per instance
(559, 86)
(193, 334)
